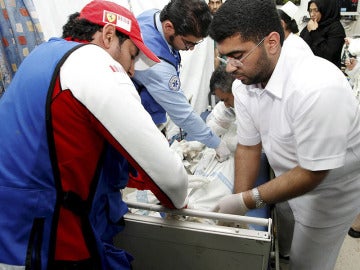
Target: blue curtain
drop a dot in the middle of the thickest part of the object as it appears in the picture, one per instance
(20, 32)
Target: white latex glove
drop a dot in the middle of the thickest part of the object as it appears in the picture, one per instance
(220, 118)
(231, 204)
(192, 148)
(215, 127)
(222, 151)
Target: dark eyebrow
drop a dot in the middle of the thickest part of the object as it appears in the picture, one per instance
(232, 53)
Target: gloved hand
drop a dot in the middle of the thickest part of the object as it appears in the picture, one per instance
(220, 119)
(222, 151)
(231, 204)
(191, 148)
(215, 127)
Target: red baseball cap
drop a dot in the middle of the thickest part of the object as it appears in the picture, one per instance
(103, 12)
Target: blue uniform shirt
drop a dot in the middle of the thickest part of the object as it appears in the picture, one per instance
(163, 84)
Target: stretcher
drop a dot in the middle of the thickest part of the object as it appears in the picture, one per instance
(165, 243)
(176, 240)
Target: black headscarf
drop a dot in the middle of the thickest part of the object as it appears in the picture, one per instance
(329, 9)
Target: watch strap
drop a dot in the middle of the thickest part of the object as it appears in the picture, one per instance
(259, 203)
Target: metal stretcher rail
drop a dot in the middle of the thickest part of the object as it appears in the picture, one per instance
(155, 241)
(202, 214)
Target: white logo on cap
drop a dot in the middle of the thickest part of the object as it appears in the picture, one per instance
(117, 20)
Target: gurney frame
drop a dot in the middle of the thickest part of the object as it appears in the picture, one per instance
(174, 244)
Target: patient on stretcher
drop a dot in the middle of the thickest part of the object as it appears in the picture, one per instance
(209, 179)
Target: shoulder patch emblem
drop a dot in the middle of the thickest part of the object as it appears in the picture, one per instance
(174, 83)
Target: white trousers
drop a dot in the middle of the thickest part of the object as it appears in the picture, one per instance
(317, 248)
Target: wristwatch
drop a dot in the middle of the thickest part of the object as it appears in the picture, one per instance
(259, 203)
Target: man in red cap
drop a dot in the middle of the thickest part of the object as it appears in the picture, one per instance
(75, 131)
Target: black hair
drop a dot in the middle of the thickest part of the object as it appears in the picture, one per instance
(252, 19)
(189, 17)
(83, 30)
(220, 79)
(290, 24)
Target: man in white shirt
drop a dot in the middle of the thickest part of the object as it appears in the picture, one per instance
(287, 102)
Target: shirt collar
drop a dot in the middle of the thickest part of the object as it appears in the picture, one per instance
(275, 86)
(158, 25)
(255, 88)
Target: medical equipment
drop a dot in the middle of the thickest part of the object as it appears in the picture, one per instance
(163, 239)
(192, 239)
(170, 243)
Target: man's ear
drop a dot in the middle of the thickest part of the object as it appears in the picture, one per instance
(273, 42)
(108, 35)
(168, 28)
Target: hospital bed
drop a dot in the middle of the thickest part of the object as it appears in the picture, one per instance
(176, 240)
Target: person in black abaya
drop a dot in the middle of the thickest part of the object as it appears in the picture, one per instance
(324, 32)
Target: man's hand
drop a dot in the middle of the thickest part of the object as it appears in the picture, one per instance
(222, 152)
(231, 204)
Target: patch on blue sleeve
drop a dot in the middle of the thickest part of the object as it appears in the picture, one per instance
(174, 83)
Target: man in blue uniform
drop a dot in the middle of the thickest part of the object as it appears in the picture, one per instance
(180, 25)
